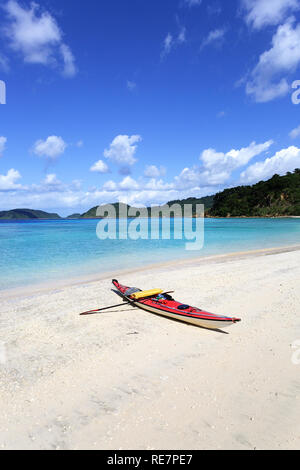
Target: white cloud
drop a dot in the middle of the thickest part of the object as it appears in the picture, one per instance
(182, 35)
(153, 171)
(172, 41)
(167, 45)
(100, 167)
(283, 161)
(8, 181)
(196, 177)
(129, 184)
(110, 186)
(216, 167)
(209, 177)
(215, 37)
(3, 141)
(260, 13)
(70, 69)
(36, 35)
(295, 133)
(219, 161)
(122, 149)
(267, 82)
(158, 185)
(192, 3)
(51, 148)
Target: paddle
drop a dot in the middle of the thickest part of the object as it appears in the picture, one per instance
(93, 312)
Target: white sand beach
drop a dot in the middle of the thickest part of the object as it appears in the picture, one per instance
(127, 379)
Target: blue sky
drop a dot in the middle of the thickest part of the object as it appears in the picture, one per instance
(144, 102)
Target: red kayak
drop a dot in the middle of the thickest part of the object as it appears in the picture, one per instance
(165, 305)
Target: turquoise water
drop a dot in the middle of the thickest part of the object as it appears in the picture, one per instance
(36, 252)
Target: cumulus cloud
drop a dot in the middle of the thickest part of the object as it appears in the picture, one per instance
(210, 176)
(122, 150)
(110, 186)
(283, 161)
(129, 184)
(217, 167)
(3, 141)
(153, 171)
(261, 13)
(36, 35)
(220, 163)
(100, 167)
(52, 147)
(8, 181)
(267, 80)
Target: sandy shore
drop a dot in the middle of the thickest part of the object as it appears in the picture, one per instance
(127, 379)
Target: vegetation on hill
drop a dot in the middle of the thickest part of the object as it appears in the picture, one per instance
(92, 213)
(279, 196)
(207, 201)
(74, 216)
(25, 214)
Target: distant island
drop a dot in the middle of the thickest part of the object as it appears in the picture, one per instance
(277, 197)
(27, 214)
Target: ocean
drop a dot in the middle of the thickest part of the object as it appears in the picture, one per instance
(44, 251)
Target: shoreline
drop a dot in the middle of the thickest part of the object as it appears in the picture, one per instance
(132, 217)
(36, 289)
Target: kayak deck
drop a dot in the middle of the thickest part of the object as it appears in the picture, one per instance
(166, 306)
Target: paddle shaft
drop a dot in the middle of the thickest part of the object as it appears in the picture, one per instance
(94, 312)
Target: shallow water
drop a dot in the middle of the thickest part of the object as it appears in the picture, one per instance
(34, 252)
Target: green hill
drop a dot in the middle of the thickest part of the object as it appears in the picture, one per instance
(74, 216)
(92, 213)
(279, 196)
(207, 201)
(26, 214)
